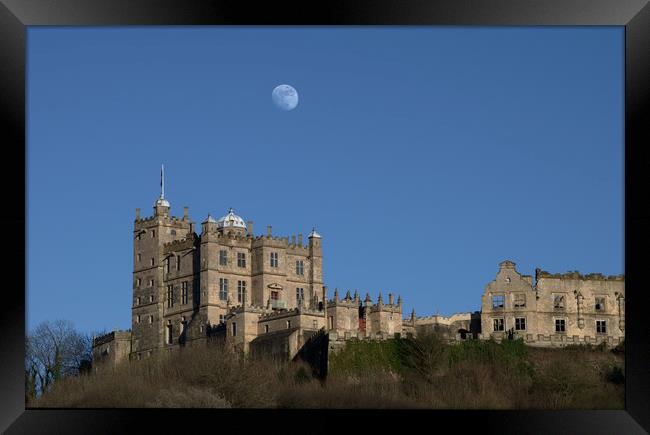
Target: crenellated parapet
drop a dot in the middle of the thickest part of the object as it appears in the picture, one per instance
(111, 336)
(181, 244)
(575, 275)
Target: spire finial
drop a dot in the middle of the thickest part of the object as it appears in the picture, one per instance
(230, 210)
(162, 181)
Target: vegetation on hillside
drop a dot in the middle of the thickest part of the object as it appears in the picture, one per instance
(399, 373)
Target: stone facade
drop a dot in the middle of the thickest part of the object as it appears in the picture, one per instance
(556, 309)
(248, 289)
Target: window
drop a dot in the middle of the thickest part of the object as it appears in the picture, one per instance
(223, 257)
(520, 300)
(153, 261)
(137, 300)
(331, 322)
(274, 259)
(300, 267)
(601, 327)
(241, 259)
(498, 325)
(170, 337)
(223, 289)
(137, 319)
(151, 283)
(241, 288)
(178, 262)
(560, 325)
(234, 329)
(184, 293)
(170, 296)
(498, 301)
(150, 319)
(520, 324)
(139, 258)
(150, 298)
(266, 328)
(599, 303)
(138, 282)
(173, 232)
(275, 296)
(558, 302)
(222, 318)
(314, 324)
(288, 324)
(153, 233)
(300, 295)
(167, 264)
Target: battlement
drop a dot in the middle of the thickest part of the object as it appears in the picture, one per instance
(442, 320)
(238, 309)
(290, 313)
(575, 275)
(139, 222)
(179, 245)
(113, 335)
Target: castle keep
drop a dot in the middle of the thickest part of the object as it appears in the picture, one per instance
(266, 295)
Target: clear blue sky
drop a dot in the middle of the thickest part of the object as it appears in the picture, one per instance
(424, 156)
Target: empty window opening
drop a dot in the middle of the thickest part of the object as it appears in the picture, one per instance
(498, 325)
(558, 302)
(498, 301)
(599, 304)
(520, 300)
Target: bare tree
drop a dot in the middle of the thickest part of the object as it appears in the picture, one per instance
(54, 350)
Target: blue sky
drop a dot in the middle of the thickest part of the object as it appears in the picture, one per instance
(423, 155)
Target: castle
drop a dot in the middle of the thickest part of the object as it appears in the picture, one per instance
(265, 295)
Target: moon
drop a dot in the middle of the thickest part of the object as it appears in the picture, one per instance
(285, 97)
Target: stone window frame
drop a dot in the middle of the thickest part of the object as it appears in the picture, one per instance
(153, 234)
(170, 296)
(170, 333)
(300, 294)
(137, 301)
(233, 329)
(601, 326)
(184, 292)
(563, 323)
(266, 329)
(495, 324)
(561, 306)
(178, 262)
(150, 319)
(241, 259)
(502, 298)
(519, 300)
(139, 257)
(223, 257)
(524, 323)
(150, 298)
(274, 260)
(300, 267)
(603, 306)
(137, 319)
(241, 288)
(222, 318)
(223, 289)
(288, 324)
(153, 261)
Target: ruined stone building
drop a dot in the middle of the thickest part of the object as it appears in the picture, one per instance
(265, 294)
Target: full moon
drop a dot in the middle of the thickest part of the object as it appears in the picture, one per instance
(285, 97)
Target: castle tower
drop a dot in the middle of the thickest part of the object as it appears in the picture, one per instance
(316, 269)
(150, 235)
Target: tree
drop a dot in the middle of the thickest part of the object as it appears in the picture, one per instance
(54, 349)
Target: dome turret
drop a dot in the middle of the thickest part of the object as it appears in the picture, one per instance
(231, 220)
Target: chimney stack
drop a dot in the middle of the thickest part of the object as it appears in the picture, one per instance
(390, 299)
(137, 214)
(249, 228)
(268, 231)
(300, 240)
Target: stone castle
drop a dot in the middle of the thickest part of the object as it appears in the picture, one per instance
(266, 295)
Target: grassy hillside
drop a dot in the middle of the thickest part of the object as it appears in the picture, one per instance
(400, 373)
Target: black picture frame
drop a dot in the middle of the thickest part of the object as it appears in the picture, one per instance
(16, 15)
